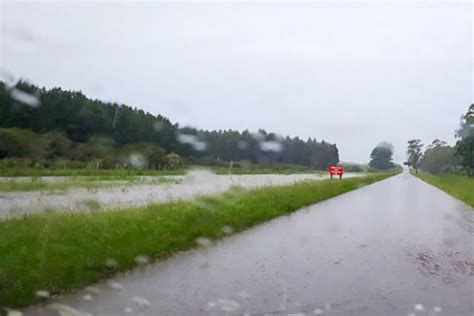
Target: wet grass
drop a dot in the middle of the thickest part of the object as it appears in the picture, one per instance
(59, 252)
(461, 187)
(124, 174)
(89, 183)
(110, 174)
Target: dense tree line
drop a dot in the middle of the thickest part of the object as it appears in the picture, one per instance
(381, 157)
(70, 126)
(439, 157)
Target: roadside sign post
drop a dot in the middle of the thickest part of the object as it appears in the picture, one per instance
(336, 171)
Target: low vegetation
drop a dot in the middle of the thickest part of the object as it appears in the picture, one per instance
(441, 158)
(461, 187)
(57, 252)
(23, 170)
(89, 182)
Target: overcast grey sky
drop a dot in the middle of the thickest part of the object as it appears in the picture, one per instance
(352, 73)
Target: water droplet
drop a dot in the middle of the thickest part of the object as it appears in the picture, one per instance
(227, 305)
(111, 263)
(65, 310)
(137, 161)
(93, 289)
(271, 146)
(141, 301)
(142, 259)
(8, 78)
(259, 136)
(128, 310)
(24, 97)
(437, 309)
(87, 297)
(114, 285)
(419, 307)
(43, 294)
(227, 230)
(204, 265)
(318, 311)
(11, 312)
(192, 140)
(203, 241)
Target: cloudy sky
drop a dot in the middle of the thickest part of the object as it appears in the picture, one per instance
(353, 73)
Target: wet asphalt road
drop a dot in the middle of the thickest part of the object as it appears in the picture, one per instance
(396, 247)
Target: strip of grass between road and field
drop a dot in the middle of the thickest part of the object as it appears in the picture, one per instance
(121, 174)
(87, 182)
(461, 187)
(59, 252)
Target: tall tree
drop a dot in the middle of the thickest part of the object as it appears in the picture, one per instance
(414, 152)
(438, 157)
(91, 125)
(381, 157)
(465, 145)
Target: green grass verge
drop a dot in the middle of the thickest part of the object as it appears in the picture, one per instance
(90, 182)
(112, 174)
(461, 187)
(119, 174)
(60, 252)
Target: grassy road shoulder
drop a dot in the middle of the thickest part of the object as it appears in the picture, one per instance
(460, 187)
(57, 252)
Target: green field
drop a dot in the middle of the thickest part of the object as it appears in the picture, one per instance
(104, 174)
(461, 187)
(85, 182)
(58, 252)
(123, 174)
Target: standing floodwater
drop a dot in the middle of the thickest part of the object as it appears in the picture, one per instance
(193, 184)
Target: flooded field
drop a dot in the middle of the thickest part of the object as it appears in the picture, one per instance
(121, 194)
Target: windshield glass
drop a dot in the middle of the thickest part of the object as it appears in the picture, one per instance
(236, 158)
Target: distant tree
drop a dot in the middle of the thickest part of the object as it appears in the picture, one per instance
(144, 155)
(381, 157)
(58, 145)
(465, 145)
(438, 157)
(173, 161)
(414, 152)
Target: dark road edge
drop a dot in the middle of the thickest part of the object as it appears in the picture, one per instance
(59, 252)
